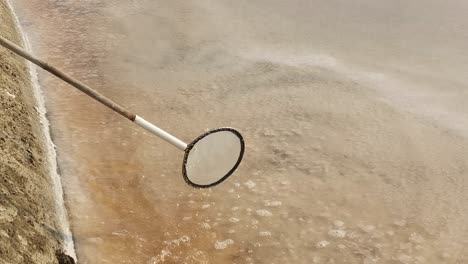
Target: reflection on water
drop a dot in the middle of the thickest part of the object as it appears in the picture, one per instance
(353, 112)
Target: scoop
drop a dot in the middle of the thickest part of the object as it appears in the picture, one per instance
(209, 159)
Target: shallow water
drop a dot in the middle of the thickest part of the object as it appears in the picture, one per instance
(354, 118)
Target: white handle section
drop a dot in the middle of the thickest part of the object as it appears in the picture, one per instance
(160, 133)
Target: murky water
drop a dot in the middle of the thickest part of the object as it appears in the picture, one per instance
(353, 113)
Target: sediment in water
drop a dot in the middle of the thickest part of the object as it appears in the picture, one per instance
(33, 223)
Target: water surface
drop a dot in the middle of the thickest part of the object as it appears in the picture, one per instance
(353, 113)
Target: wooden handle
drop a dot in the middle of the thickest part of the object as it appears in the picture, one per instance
(75, 83)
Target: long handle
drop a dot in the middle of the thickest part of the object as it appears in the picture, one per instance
(92, 93)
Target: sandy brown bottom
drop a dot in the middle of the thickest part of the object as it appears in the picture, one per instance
(28, 228)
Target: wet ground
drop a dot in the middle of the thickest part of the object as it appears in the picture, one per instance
(354, 117)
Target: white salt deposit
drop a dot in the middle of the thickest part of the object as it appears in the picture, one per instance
(338, 223)
(405, 259)
(10, 95)
(273, 203)
(337, 233)
(160, 258)
(250, 184)
(367, 228)
(416, 238)
(177, 242)
(400, 223)
(263, 212)
(205, 226)
(4, 234)
(223, 244)
(322, 244)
